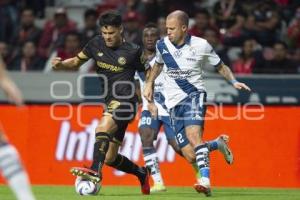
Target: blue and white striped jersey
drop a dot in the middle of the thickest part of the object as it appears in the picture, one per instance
(159, 97)
(183, 66)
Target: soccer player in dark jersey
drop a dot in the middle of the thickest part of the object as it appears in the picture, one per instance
(118, 61)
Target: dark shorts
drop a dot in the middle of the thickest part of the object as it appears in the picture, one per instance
(122, 113)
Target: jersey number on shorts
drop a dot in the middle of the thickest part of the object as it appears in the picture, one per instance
(146, 120)
(179, 138)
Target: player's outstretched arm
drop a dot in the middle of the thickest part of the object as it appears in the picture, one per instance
(149, 84)
(9, 87)
(228, 75)
(68, 64)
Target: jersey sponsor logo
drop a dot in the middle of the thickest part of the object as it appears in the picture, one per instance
(179, 74)
(110, 67)
(122, 60)
(191, 59)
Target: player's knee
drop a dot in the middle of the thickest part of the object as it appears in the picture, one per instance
(194, 139)
(191, 158)
(146, 137)
(189, 154)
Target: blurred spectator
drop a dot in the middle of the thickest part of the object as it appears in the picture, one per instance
(90, 25)
(28, 60)
(204, 4)
(71, 48)
(296, 58)
(280, 64)
(37, 6)
(8, 20)
(263, 23)
(132, 6)
(230, 19)
(5, 53)
(27, 31)
(55, 31)
(249, 59)
(172, 5)
(202, 22)
(294, 30)
(132, 29)
(151, 13)
(212, 37)
(161, 24)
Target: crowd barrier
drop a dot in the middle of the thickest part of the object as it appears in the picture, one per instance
(265, 140)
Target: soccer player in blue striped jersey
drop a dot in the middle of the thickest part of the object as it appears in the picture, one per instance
(149, 126)
(181, 57)
(10, 163)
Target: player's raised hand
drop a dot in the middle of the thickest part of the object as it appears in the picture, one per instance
(56, 63)
(148, 91)
(240, 86)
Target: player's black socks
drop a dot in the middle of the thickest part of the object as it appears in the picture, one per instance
(125, 165)
(100, 148)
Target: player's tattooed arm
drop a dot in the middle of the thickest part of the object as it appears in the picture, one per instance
(225, 71)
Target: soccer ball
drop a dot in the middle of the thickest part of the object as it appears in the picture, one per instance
(86, 187)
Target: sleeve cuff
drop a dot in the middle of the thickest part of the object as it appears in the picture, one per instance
(218, 64)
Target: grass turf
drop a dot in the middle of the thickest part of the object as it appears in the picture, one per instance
(173, 193)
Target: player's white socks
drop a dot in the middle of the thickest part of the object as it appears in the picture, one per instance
(151, 160)
(11, 168)
(202, 159)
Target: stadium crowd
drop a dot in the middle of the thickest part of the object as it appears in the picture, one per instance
(250, 36)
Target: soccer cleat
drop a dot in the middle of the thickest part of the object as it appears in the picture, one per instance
(158, 188)
(86, 173)
(202, 189)
(223, 147)
(144, 181)
(203, 186)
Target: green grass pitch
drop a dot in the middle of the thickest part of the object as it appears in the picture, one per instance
(173, 193)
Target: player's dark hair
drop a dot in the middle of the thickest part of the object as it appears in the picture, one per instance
(150, 25)
(110, 18)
